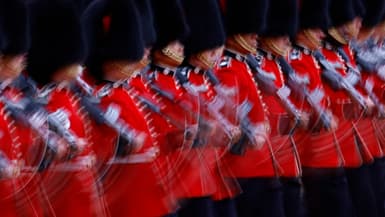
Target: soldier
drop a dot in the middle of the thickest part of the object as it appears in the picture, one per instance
(55, 58)
(370, 62)
(166, 116)
(171, 112)
(203, 44)
(284, 117)
(204, 48)
(133, 182)
(26, 142)
(326, 190)
(13, 46)
(349, 105)
(251, 160)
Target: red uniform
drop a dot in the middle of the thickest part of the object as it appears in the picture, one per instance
(234, 73)
(343, 107)
(29, 154)
(379, 123)
(70, 185)
(317, 147)
(132, 187)
(364, 125)
(218, 139)
(280, 120)
(9, 149)
(184, 167)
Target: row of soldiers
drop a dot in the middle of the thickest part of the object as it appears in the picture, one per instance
(192, 108)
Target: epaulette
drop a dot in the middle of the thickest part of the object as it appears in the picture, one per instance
(259, 58)
(295, 54)
(184, 71)
(181, 75)
(225, 62)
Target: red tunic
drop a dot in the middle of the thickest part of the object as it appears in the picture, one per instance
(379, 123)
(280, 121)
(179, 159)
(30, 150)
(364, 125)
(218, 141)
(7, 147)
(340, 103)
(235, 74)
(70, 186)
(317, 148)
(134, 186)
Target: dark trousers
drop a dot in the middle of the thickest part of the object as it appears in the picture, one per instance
(377, 172)
(171, 215)
(326, 192)
(292, 197)
(361, 191)
(225, 208)
(197, 207)
(261, 197)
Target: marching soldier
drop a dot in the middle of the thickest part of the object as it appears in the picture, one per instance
(365, 52)
(283, 115)
(26, 141)
(133, 181)
(173, 115)
(349, 105)
(250, 160)
(166, 115)
(14, 43)
(204, 46)
(57, 50)
(324, 180)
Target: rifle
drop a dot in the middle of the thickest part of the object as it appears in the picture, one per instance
(32, 114)
(128, 136)
(313, 98)
(282, 93)
(214, 106)
(368, 87)
(335, 78)
(368, 59)
(239, 148)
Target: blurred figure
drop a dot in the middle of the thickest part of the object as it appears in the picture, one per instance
(131, 180)
(284, 116)
(324, 180)
(55, 58)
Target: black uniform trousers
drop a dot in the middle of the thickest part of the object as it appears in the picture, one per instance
(361, 191)
(225, 208)
(377, 172)
(197, 207)
(326, 192)
(261, 197)
(292, 197)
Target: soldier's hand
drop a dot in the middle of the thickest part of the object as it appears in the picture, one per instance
(11, 171)
(371, 106)
(190, 134)
(304, 119)
(62, 149)
(235, 133)
(259, 141)
(81, 144)
(139, 141)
